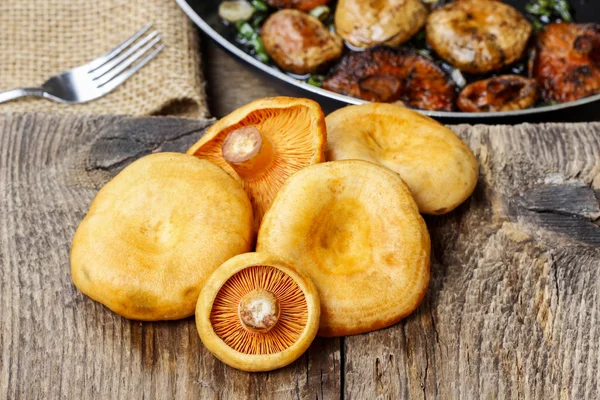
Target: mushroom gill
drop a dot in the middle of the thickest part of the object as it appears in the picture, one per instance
(258, 312)
(263, 143)
(267, 285)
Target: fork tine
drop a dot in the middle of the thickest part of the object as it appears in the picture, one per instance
(98, 62)
(128, 62)
(116, 81)
(108, 66)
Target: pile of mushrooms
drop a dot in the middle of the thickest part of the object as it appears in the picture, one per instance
(341, 247)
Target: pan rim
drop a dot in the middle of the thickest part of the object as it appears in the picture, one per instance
(199, 21)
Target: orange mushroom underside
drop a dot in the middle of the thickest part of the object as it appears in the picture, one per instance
(288, 130)
(293, 311)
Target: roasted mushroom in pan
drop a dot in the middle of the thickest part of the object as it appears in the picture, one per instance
(298, 42)
(478, 36)
(371, 23)
(385, 74)
(567, 64)
(303, 5)
(502, 93)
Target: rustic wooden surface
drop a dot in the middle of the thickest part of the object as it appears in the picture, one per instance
(513, 308)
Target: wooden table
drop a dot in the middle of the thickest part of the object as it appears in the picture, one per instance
(513, 308)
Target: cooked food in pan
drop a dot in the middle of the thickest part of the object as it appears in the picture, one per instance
(370, 23)
(502, 93)
(438, 55)
(386, 74)
(478, 36)
(567, 63)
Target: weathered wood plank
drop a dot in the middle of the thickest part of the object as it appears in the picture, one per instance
(513, 308)
(512, 311)
(57, 343)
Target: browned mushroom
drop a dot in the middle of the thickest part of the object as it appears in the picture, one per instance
(478, 36)
(502, 93)
(371, 23)
(299, 42)
(567, 66)
(386, 74)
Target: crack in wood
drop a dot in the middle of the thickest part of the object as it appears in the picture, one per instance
(103, 151)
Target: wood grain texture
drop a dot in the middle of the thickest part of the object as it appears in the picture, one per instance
(512, 311)
(55, 342)
(513, 306)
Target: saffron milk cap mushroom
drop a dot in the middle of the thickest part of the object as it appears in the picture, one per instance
(264, 142)
(355, 229)
(257, 312)
(154, 234)
(439, 169)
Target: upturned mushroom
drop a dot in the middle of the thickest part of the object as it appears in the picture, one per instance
(478, 36)
(257, 312)
(439, 169)
(500, 93)
(355, 229)
(263, 143)
(155, 233)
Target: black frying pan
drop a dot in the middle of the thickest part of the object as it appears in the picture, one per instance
(205, 14)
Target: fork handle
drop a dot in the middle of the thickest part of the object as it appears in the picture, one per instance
(17, 93)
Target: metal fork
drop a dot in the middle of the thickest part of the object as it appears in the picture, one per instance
(99, 77)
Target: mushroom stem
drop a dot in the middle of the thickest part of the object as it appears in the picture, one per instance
(248, 151)
(259, 311)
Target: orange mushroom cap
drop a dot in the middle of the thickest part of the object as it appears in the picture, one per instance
(257, 313)
(263, 143)
(354, 228)
(155, 233)
(438, 168)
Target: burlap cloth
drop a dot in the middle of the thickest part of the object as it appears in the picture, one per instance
(40, 38)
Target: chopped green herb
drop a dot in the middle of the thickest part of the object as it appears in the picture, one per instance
(425, 53)
(262, 57)
(549, 103)
(245, 30)
(316, 80)
(562, 8)
(258, 20)
(542, 12)
(259, 48)
(537, 25)
(259, 5)
(320, 12)
(258, 45)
